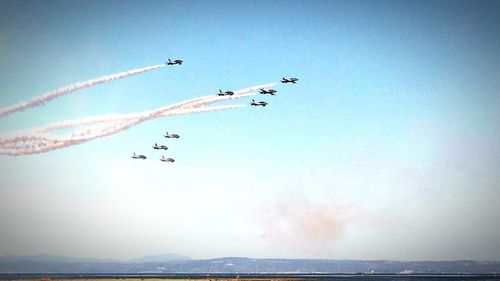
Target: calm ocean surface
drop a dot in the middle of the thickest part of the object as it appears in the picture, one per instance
(345, 277)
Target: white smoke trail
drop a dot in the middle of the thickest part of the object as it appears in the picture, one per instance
(237, 95)
(99, 131)
(39, 140)
(117, 127)
(101, 119)
(34, 144)
(196, 102)
(71, 88)
(16, 141)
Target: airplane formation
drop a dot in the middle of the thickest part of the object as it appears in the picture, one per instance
(158, 147)
(262, 91)
(272, 92)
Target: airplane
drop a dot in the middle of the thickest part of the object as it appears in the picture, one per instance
(164, 147)
(169, 62)
(163, 159)
(289, 80)
(171, 136)
(271, 92)
(258, 103)
(138, 156)
(226, 93)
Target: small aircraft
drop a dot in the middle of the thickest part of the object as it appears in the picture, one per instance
(271, 92)
(138, 156)
(171, 136)
(226, 93)
(289, 80)
(169, 62)
(163, 159)
(258, 103)
(164, 147)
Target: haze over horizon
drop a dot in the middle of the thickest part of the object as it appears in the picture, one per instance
(386, 148)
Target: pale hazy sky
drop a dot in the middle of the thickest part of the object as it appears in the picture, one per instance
(387, 148)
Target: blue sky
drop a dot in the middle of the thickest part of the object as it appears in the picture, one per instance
(385, 149)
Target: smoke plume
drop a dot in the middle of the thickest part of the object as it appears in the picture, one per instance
(305, 226)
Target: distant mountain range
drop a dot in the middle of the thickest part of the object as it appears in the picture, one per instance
(66, 259)
(172, 263)
(161, 258)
